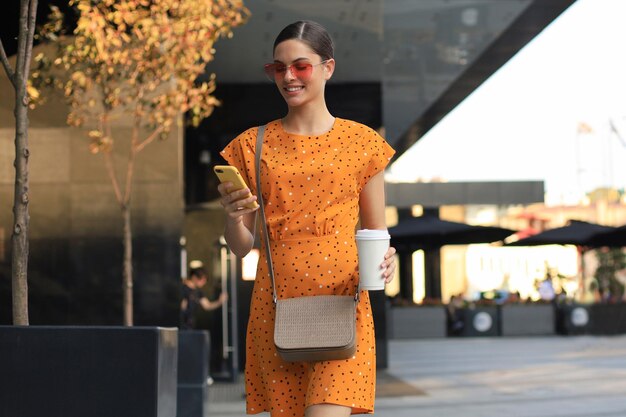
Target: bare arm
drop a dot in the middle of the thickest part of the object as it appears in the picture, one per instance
(372, 203)
(372, 213)
(239, 233)
(212, 305)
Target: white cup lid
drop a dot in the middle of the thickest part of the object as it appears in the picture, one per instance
(372, 234)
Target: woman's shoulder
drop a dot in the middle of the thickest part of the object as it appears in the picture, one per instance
(247, 134)
(251, 132)
(364, 136)
(362, 129)
(246, 140)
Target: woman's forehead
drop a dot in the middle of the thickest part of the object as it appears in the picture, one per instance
(292, 50)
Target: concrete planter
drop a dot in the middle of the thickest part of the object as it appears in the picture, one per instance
(88, 371)
(417, 322)
(527, 319)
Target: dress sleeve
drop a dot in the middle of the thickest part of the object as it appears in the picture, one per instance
(240, 153)
(379, 154)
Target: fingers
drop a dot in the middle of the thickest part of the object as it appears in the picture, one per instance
(235, 202)
(390, 252)
(224, 188)
(225, 191)
(389, 265)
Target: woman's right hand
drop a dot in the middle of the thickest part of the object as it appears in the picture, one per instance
(234, 202)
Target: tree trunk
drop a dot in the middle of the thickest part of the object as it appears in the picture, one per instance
(21, 217)
(127, 287)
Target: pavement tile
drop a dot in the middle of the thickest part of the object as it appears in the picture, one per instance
(579, 376)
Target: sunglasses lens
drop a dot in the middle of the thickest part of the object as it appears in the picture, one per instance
(270, 71)
(279, 69)
(301, 70)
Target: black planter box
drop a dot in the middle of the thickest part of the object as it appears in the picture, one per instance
(608, 319)
(88, 371)
(193, 372)
(481, 321)
(573, 319)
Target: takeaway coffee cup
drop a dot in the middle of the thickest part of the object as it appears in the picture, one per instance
(372, 246)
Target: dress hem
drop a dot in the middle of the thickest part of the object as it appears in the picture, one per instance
(353, 410)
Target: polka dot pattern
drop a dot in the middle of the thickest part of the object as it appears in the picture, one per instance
(311, 187)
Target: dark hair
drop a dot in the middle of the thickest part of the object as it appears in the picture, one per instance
(311, 33)
(197, 273)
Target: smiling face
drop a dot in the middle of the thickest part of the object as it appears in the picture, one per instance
(297, 85)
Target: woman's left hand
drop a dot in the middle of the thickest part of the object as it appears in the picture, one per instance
(389, 265)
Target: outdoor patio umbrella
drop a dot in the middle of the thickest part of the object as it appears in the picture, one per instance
(432, 232)
(614, 238)
(576, 232)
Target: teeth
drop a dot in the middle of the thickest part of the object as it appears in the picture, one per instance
(294, 88)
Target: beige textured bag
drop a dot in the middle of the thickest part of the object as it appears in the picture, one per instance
(316, 328)
(311, 328)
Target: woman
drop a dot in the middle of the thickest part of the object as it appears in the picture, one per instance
(319, 175)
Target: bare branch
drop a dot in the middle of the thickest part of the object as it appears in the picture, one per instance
(20, 76)
(131, 160)
(149, 139)
(111, 172)
(105, 126)
(32, 16)
(7, 65)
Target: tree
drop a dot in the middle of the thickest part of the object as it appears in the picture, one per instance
(610, 262)
(19, 80)
(139, 59)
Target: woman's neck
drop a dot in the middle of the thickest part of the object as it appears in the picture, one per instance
(308, 122)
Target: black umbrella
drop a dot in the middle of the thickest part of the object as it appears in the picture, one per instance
(432, 232)
(576, 232)
(614, 238)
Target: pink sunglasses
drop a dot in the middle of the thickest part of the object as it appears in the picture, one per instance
(300, 70)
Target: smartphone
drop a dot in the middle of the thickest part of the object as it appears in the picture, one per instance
(230, 173)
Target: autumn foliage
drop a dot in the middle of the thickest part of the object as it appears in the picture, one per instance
(139, 57)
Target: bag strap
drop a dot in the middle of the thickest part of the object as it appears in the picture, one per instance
(270, 266)
(257, 163)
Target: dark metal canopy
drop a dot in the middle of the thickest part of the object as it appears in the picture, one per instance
(431, 232)
(535, 17)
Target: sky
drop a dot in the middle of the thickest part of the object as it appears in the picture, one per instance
(524, 122)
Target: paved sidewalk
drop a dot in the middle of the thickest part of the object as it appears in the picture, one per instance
(580, 376)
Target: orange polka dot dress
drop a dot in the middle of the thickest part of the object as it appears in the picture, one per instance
(311, 187)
